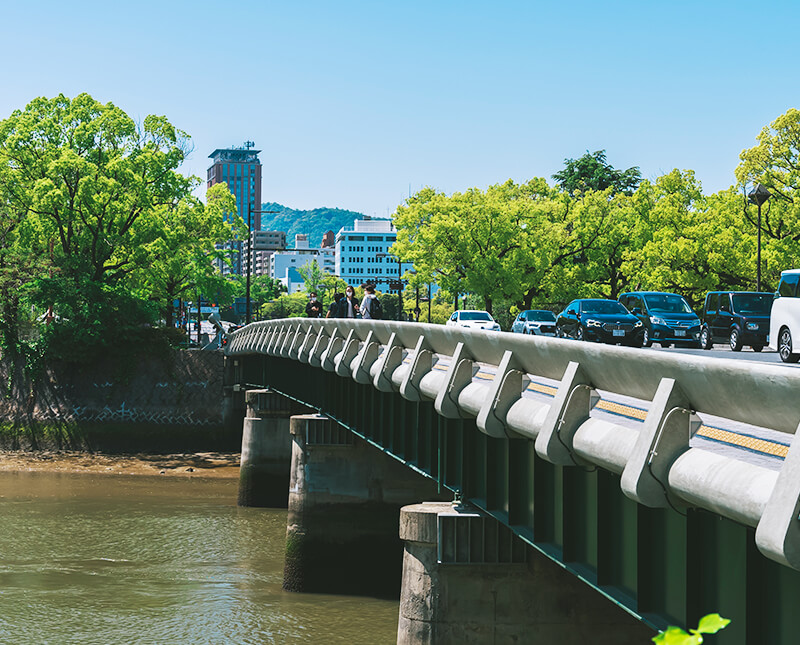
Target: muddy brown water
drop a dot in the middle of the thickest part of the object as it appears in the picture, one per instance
(106, 558)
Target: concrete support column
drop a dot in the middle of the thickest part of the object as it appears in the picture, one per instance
(468, 580)
(344, 505)
(233, 403)
(266, 450)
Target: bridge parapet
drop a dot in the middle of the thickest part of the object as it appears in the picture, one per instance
(657, 465)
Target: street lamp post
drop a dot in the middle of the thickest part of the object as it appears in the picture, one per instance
(758, 196)
(250, 212)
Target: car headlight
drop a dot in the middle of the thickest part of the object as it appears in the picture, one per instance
(593, 323)
(496, 327)
(657, 320)
(752, 326)
(638, 323)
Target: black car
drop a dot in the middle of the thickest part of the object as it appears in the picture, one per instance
(606, 321)
(738, 318)
(667, 318)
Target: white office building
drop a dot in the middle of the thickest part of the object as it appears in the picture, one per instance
(362, 253)
(282, 263)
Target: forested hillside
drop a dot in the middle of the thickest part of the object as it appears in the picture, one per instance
(313, 223)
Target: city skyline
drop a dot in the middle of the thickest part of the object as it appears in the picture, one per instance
(356, 105)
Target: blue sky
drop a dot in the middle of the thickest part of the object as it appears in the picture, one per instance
(355, 103)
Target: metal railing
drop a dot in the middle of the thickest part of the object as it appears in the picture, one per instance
(658, 468)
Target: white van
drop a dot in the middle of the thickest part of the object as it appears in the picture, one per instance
(784, 326)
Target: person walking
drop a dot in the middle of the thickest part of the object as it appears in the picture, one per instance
(371, 307)
(350, 308)
(313, 306)
(335, 310)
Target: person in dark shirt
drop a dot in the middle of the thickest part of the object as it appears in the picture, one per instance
(350, 303)
(336, 310)
(314, 306)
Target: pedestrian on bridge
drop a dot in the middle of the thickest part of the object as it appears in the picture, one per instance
(337, 307)
(313, 306)
(350, 303)
(370, 306)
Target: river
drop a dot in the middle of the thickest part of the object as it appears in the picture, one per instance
(110, 559)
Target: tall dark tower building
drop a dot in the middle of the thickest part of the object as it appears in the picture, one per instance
(240, 168)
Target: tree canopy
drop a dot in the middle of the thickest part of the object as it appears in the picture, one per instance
(601, 231)
(116, 234)
(593, 172)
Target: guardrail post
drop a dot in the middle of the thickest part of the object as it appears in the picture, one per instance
(459, 375)
(366, 357)
(351, 346)
(778, 531)
(570, 408)
(665, 434)
(421, 364)
(328, 358)
(393, 355)
(302, 353)
(315, 355)
(507, 387)
(296, 342)
(274, 341)
(288, 339)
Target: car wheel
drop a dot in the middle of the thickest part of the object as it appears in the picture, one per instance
(785, 347)
(735, 340)
(757, 348)
(705, 339)
(646, 340)
(580, 335)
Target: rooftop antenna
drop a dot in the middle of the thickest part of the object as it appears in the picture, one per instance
(249, 144)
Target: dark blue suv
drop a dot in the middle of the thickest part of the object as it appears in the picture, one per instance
(667, 318)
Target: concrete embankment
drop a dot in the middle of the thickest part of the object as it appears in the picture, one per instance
(155, 404)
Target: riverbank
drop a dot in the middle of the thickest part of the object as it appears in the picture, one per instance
(216, 465)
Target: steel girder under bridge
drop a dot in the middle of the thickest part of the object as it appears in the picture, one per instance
(666, 525)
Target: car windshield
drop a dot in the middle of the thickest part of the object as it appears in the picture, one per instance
(475, 315)
(602, 307)
(540, 316)
(752, 303)
(667, 303)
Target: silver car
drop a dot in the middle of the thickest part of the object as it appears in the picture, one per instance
(535, 321)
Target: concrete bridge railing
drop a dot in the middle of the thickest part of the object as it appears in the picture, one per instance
(657, 465)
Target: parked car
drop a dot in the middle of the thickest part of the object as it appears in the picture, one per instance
(473, 319)
(535, 321)
(606, 321)
(738, 318)
(667, 318)
(784, 323)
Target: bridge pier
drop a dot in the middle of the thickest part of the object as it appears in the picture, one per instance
(344, 507)
(266, 449)
(468, 580)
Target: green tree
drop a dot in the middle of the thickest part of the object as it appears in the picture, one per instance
(465, 242)
(694, 244)
(593, 172)
(175, 261)
(775, 163)
(84, 180)
(263, 288)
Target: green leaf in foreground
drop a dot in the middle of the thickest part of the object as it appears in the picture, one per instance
(711, 624)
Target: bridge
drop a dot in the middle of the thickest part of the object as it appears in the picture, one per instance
(617, 490)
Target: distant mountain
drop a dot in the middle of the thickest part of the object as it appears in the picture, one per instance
(313, 223)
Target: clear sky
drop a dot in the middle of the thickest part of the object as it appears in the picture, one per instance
(353, 104)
